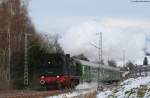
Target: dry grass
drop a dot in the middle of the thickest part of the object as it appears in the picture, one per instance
(26, 94)
(90, 94)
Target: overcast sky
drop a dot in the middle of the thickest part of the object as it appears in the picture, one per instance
(124, 25)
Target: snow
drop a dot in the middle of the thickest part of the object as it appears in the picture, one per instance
(86, 85)
(104, 94)
(67, 95)
(134, 83)
(80, 90)
(130, 87)
(72, 94)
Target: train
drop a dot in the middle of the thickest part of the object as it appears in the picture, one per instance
(60, 71)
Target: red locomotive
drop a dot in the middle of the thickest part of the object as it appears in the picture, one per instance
(58, 71)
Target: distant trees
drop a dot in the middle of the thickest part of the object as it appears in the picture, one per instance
(130, 66)
(50, 43)
(145, 61)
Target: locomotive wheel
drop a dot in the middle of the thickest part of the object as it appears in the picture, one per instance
(59, 86)
(47, 87)
(51, 87)
(42, 88)
(72, 85)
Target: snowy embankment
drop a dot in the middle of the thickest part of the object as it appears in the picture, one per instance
(85, 85)
(131, 88)
(85, 90)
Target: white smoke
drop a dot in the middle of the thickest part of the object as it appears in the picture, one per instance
(118, 35)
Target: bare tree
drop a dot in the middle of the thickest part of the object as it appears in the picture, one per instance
(50, 43)
(130, 65)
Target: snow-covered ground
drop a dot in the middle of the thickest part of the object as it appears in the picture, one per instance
(87, 85)
(72, 94)
(81, 90)
(131, 88)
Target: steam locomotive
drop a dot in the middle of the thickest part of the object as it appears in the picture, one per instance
(60, 71)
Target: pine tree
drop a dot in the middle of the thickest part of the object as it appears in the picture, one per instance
(145, 61)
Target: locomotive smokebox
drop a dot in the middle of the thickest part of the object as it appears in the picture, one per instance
(68, 55)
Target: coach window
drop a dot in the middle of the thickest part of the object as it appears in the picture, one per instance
(83, 69)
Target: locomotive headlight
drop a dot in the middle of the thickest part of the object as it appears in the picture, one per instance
(58, 76)
(42, 77)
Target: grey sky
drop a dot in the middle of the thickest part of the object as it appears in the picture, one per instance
(46, 12)
(122, 22)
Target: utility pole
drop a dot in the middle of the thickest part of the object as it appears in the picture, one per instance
(100, 56)
(26, 67)
(124, 58)
(9, 45)
(9, 57)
